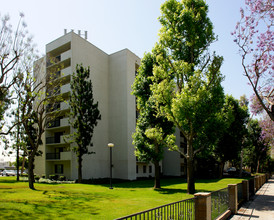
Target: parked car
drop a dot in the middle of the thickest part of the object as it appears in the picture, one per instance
(9, 173)
(233, 172)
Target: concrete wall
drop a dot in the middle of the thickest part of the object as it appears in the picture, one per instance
(171, 161)
(122, 112)
(87, 54)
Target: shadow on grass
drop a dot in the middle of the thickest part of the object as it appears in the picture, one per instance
(8, 180)
(54, 204)
(170, 191)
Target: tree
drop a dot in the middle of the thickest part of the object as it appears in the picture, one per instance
(187, 80)
(15, 47)
(231, 133)
(84, 113)
(254, 36)
(267, 126)
(152, 133)
(257, 150)
(37, 106)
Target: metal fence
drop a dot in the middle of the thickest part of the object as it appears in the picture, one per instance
(184, 209)
(240, 193)
(219, 202)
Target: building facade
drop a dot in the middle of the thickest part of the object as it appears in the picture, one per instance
(112, 76)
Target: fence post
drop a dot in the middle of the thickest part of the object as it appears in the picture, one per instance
(252, 186)
(256, 183)
(245, 190)
(233, 198)
(203, 206)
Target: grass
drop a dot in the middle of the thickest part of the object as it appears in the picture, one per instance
(83, 201)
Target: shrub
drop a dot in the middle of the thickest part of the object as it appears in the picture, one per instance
(53, 177)
(36, 177)
(62, 178)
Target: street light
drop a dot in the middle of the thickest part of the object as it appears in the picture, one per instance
(110, 145)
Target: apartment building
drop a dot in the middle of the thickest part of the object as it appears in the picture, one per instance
(112, 76)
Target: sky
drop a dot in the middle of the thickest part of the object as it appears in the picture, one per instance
(114, 25)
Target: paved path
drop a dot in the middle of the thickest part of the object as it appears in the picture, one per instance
(261, 206)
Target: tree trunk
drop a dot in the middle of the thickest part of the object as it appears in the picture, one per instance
(31, 174)
(258, 165)
(23, 165)
(157, 184)
(190, 167)
(190, 176)
(80, 168)
(221, 170)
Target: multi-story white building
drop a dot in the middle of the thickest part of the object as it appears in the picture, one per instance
(112, 76)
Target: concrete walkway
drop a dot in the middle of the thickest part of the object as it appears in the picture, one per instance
(261, 206)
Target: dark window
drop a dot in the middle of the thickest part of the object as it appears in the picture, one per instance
(137, 169)
(59, 168)
(150, 169)
(144, 169)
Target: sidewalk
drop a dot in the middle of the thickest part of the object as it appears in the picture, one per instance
(261, 206)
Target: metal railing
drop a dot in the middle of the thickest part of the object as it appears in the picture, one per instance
(240, 193)
(184, 209)
(219, 202)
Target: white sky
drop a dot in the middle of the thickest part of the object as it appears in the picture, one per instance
(113, 25)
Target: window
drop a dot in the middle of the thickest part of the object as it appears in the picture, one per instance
(144, 169)
(59, 168)
(150, 169)
(137, 169)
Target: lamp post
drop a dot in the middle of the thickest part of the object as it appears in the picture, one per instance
(110, 145)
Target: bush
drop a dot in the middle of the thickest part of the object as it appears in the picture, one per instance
(36, 177)
(24, 175)
(53, 177)
(62, 178)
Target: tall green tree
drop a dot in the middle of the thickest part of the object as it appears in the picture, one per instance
(84, 113)
(187, 80)
(257, 150)
(152, 133)
(231, 133)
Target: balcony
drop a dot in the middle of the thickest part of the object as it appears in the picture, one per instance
(65, 88)
(53, 156)
(53, 140)
(63, 122)
(57, 107)
(65, 55)
(64, 106)
(54, 124)
(53, 60)
(53, 107)
(67, 155)
(66, 72)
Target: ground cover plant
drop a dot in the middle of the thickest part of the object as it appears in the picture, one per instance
(90, 201)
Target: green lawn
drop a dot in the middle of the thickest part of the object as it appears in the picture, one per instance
(83, 201)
